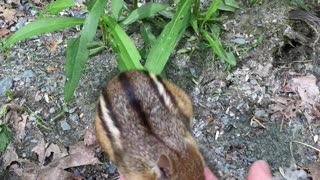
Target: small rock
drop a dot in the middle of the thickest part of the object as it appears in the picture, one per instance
(64, 125)
(52, 110)
(112, 169)
(74, 117)
(28, 74)
(33, 12)
(5, 84)
(21, 22)
(239, 41)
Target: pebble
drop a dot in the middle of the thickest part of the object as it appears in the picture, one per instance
(5, 84)
(28, 74)
(112, 169)
(240, 41)
(21, 22)
(74, 117)
(64, 125)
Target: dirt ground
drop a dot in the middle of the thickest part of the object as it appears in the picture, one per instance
(261, 109)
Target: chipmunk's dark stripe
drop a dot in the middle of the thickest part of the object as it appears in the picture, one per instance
(111, 114)
(136, 105)
(133, 100)
(155, 88)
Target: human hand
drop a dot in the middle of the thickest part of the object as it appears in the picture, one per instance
(259, 170)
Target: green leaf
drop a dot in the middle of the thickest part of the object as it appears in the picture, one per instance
(218, 49)
(194, 23)
(5, 137)
(224, 7)
(166, 42)
(41, 26)
(147, 10)
(211, 11)
(128, 56)
(59, 5)
(147, 36)
(77, 52)
(116, 6)
(231, 3)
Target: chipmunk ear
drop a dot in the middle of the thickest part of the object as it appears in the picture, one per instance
(164, 166)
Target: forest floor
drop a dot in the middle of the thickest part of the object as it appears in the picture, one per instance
(267, 107)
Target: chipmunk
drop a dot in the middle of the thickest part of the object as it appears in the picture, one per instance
(143, 123)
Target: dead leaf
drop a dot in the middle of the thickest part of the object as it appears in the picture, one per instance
(50, 69)
(90, 137)
(39, 149)
(56, 151)
(10, 156)
(8, 14)
(19, 123)
(314, 169)
(36, 1)
(3, 32)
(286, 107)
(307, 88)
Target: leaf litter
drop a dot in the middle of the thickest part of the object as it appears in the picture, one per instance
(53, 159)
(300, 95)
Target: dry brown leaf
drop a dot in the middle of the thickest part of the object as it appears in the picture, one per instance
(10, 156)
(314, 169)
(80, 155)
(286, 107)
(307, 88)
(56, 151)
(50, 69)
(19, 126)
(36, 1)
(90, 137)
(8, 14)
(3, 32)
(39, 149)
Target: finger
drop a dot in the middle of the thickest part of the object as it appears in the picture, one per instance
(208, 174)
(121, 177)
(259, 170)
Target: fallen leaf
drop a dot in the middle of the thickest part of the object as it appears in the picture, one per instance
(8, 14)
(314, 169)
(50, 69)
(3, 32)
(19, 123)
(10, 156)
(55, 151)
(90, 137)
(39, 149)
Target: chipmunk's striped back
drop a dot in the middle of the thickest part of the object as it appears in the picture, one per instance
(140, 118)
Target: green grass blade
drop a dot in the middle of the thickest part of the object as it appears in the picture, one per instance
(128, 55)
(147, 10)
(218, 49)
(59, 5)
(41, 26)
(77, 52)
(232, 3)
(147, 36)
(212, 9)
(166, 42)
(116, 7)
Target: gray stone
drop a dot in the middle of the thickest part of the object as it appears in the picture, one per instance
(5, 84)
(28, 74)
(21, 22)
(64, 125)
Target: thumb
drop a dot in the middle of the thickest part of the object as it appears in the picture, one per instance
(259, 171)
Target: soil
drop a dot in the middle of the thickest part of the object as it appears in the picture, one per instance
(236, 112)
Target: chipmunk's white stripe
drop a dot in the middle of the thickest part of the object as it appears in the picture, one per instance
(109, 122)
(162, 91)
